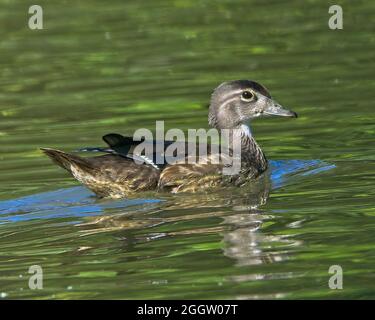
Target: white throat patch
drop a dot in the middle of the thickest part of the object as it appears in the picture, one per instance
(246, 130)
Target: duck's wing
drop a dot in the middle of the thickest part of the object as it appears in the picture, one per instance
(119, 143)
(126, 147)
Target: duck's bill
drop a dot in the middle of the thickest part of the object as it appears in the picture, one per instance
(275, 109)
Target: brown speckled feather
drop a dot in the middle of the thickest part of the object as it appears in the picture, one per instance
(189, 177)
(108, 175)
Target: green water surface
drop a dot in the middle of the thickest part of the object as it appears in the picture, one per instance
(116, 66)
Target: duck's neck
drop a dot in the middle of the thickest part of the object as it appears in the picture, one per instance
(251, 154)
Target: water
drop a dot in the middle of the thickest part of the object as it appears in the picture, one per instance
(96, 69)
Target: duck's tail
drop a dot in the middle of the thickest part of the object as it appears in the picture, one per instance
(66, 160)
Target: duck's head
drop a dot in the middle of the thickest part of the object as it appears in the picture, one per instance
(235, 103)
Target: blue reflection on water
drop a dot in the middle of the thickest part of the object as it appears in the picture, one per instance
(283, 171)
(80, 202)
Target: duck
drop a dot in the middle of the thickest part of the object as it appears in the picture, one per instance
(118, 173)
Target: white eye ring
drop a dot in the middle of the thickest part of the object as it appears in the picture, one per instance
(247, 95)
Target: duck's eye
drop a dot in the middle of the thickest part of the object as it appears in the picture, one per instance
(247, 95)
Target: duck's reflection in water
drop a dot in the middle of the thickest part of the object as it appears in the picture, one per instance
(244, 240)
(239, 209)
